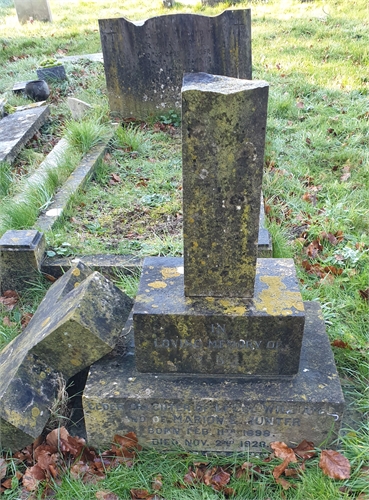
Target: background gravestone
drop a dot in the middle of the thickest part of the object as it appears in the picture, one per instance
(144, 61)
(38, 10)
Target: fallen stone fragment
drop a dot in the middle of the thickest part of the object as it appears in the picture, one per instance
(78, 322)
(78, 108)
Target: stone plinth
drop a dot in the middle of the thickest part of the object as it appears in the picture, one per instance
(36, 10)
(79, 320)
(144, 61)
(262, 335)
(218, 414)
(223, 131)
(21, 256)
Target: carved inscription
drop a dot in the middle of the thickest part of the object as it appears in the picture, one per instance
(178, 343)
(213, 425)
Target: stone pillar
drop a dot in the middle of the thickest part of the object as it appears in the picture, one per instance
(223, 136)
(21, 255)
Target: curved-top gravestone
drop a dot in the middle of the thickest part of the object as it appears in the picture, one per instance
(145, 60)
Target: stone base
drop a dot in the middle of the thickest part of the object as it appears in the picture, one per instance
(218, 414)
(218, 335)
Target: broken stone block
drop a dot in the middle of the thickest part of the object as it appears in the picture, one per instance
(78, 322)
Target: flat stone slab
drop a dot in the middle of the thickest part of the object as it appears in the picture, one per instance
(262, 335)
(209, 413)
(144, 61)
(78, 322)
(16, 129)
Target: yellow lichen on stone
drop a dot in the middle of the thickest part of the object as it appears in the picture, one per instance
(45, 322)
(169, 272)
(76, 285)
(76, 272)
(157, 284)
(231, 308)
(276, 299)
(35, 412)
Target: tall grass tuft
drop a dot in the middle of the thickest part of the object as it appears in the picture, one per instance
(83, 135)
(133, 139)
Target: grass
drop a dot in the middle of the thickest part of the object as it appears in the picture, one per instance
(314, 56)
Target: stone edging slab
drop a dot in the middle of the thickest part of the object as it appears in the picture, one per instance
(74, 182)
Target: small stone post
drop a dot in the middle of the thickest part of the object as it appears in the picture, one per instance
(21, 255)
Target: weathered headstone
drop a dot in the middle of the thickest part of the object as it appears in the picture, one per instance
(36, 10)
(144, 61)
(79, 320)
(21, 255)
(225, 354)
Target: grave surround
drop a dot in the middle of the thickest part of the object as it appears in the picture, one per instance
(196, 375)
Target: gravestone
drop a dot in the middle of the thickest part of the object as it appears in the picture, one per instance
(144, 61)
(36, 10)
(226, 356)
(79, 320)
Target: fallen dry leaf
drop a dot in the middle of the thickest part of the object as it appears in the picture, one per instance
(25, 319)
(106, 495)
(284, 483)
(140, 494)
(9, 299)
(3, 467)
(305, 450)
(7, 322)
(157, 483)
(330, 237)
(340, 343)
(334, 465)
(279, 469)
(220, 479)
(281, 450)
(313, 249)
(32, 478)
(364, 294)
